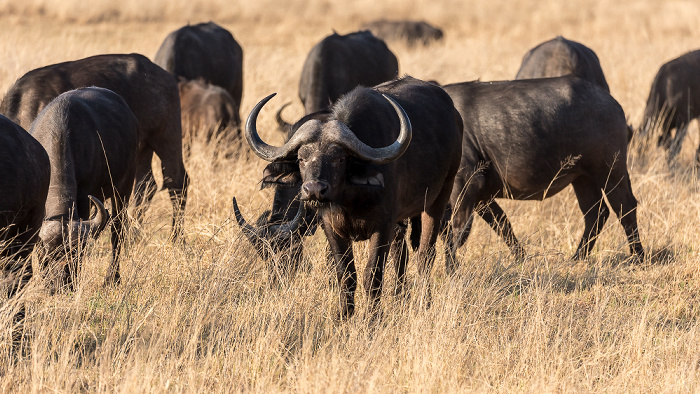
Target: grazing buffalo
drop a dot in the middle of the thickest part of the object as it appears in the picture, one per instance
(207, 109)
(528, 140)
(150, 92)
(674, 101)
(412, 32)
(377, 157)
(338, 64)
(209, 52)
(92, 139)
(24, 181)
(558, 57)
(277, 235)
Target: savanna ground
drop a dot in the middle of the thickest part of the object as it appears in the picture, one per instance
(203, 317)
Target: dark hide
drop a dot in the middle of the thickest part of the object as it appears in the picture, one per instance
(150, 92)
(210, 110)
(558, 57)
(24, 181)
(92, 140)
(411, 32)
(209, 52)
(357, 200)
(528, 140)
(674, 101)
(338, 64)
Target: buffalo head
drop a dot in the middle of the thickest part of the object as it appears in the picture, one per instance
(63, 239)
(329, 155)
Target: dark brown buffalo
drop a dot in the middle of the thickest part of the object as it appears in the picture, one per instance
(412, 32)
(209, 52)
(207, 111)
(24, 181)
(528, 140)
(674, 101)
(338, 64)
(364, 169)
(558, 57)
(92, 139)
(150, 92)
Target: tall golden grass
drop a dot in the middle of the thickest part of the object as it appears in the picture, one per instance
(203, 316)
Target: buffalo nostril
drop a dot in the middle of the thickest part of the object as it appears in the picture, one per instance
(315, 190)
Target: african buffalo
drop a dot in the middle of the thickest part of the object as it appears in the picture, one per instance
(558, 57)
(92, 139)
(207, 109)
(209, 52)
(412, 32)
(150, 92)
(528, 140)
(24, 181)
(674, 101)
(364, 169)
(338, 64)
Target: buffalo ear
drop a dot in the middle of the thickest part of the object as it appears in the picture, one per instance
(362, 174)
(281, 173)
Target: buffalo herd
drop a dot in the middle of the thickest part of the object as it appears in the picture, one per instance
(373, 153)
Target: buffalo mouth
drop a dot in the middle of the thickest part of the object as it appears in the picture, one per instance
(316, 204)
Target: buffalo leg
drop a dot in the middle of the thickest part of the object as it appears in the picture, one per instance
(168, 146)
(497, 219)
(145, 184)
(380, 243)
(595, 213)
(117, 230)
(467, 187)
(675, 146)
(399, 255)
(622, 201)
(345, 272)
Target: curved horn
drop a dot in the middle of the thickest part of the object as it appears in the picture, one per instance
(281, 123)
(379, 155)
(247, 228)
(292, 225)
(265, 151)
(98, 222)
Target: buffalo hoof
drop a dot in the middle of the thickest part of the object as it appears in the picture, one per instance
(345, 313)
(636, 258)
(519, 254)
(112, 279)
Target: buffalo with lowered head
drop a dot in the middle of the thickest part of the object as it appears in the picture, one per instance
(208, 52)
(528, 140)
(92, 138)
(674, 101)
(24, 181)
(558, 57)
(377, 157)
(150, 92)
(412, 32)
(338, 64)
(206, 109)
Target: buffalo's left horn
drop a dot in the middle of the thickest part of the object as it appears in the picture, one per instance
(98, 222)
(292, 225)
(379, 155)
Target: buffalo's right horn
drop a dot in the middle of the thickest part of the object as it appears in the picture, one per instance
(281, 123)
(265, 151)
(98, 222)
(247, 228)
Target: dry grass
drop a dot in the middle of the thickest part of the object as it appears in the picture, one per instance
(204, 318)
